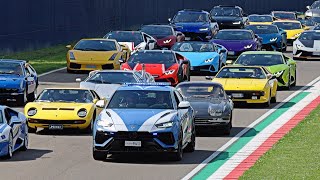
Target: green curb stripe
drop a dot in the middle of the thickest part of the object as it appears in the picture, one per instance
(217, 162)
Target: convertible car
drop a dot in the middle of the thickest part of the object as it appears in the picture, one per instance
(13, 132)
(203, 56)
(145, 118)
(211, 104)
(250, 84)
(96, 54)
(281, 66)
(237, 41)
(307, 46)
(273, 38)
(58, 109)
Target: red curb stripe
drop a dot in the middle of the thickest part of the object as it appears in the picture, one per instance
(275, 137)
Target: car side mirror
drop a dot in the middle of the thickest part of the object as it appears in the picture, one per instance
(209, 77)
(184, 105)
(15, 120)
(78, 80)
(30, 78)
(100, 104)
(68, 46)
(169, 20)
(229, 62)
(308, 7)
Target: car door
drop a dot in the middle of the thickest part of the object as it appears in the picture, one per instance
(184, 119)
(31, 80)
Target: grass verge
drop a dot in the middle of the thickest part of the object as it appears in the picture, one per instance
(43, 60)
(295, 156)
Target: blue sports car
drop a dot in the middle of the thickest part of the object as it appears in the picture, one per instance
(273, 38)
(203, 56)
(148, 117)
(18, 81)
(194, 24)
(13, 132)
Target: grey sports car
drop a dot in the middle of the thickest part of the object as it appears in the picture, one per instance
(211, 104)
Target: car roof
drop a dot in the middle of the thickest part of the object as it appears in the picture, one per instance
(236, 30)
(100, 39)
(262, 52)
(143, 87)
(194, 10)
(13, 61)
(241, 66)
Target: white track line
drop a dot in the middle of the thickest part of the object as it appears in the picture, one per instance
(241, 133)
(50, 72)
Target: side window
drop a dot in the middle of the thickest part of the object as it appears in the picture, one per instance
(7, 116)
(177, 98)
(30, 70)
(285, 59)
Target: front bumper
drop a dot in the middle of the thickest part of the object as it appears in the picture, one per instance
(307, 53)
(171, 79)
(67, 124)
(10, 96)
(150, 142)
(211, 121)
(85, 66)
(249, 97)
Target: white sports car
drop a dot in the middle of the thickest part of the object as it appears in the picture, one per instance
(13, 132)
(307, 46)
(105, 82)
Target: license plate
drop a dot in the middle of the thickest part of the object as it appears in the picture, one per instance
(316, 53)
(254, 97)
(55, 126)
(132, 143)
(187, 38)
(91, 66)
(237, 95)
(230, 52)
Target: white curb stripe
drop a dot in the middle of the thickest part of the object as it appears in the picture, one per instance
(50, 72)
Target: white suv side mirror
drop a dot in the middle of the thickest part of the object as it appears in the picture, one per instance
(184, 105)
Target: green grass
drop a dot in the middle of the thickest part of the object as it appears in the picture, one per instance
(296, 156)
(43, 60)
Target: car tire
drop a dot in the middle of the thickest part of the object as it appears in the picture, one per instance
(177, 156)
(31, 130)
(228, 127)
(90, 127)
(10, 147)
(192, 145)
(32, 96)
(25, 143)
(274, 99)
(268, 103)
(99, 155)
(295, 78)
(22, 98)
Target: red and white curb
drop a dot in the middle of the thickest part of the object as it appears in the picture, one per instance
(263, 141)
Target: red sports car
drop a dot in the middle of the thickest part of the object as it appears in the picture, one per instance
(163, 65)
(165, 35)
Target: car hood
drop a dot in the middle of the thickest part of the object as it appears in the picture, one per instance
(234, 45)
(104, 90)
(134, 119)
(10, 81)
(155, 69)
(294, 33)
(93, 55)
(241, 84)
(221, 19)
(276, 68)
(198, 58)
(266, 37)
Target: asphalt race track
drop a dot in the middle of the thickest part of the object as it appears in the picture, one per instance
(67, 154)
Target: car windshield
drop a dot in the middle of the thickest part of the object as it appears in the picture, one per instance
(126, 36)
(65, 95)
(112, 78)
(190, 17)
(315, 5)
(95, 45)
(193, 47)
(280, 15)
(225, 11)
(152, 58)
(260, 59)
(201, 91)
(311, 35)
(254, 18)
(241, 72)
(157, 30)
(233, 35)
(288, 25)
(141, 99)
(263, 29)
(10, 68)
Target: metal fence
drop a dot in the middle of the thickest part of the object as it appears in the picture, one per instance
(29, 24)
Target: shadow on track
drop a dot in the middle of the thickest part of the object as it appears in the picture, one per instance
(65, 132)
(29, 155)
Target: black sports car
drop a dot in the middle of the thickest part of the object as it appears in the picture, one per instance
(228, 17)
(211, 104)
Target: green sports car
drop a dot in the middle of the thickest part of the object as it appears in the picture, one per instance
(283, 67)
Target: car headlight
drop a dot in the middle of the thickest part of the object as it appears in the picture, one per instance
(82, 113)
(71, 56)
(208, 60)
(164, 125)
(32, 112)
(278, 74)
(203, 29)
(104, 123)
(167, 41)
(113, 56)
(273, 39)
(169, 72)
(214, 112)
(248, 46)
(238, 22)
(299, 46)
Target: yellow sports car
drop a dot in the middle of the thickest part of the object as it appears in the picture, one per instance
(58, 109)
(250, 84)
(96, 54)
(293, 28)
(259, 19)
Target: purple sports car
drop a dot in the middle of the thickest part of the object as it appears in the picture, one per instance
(237, 41)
